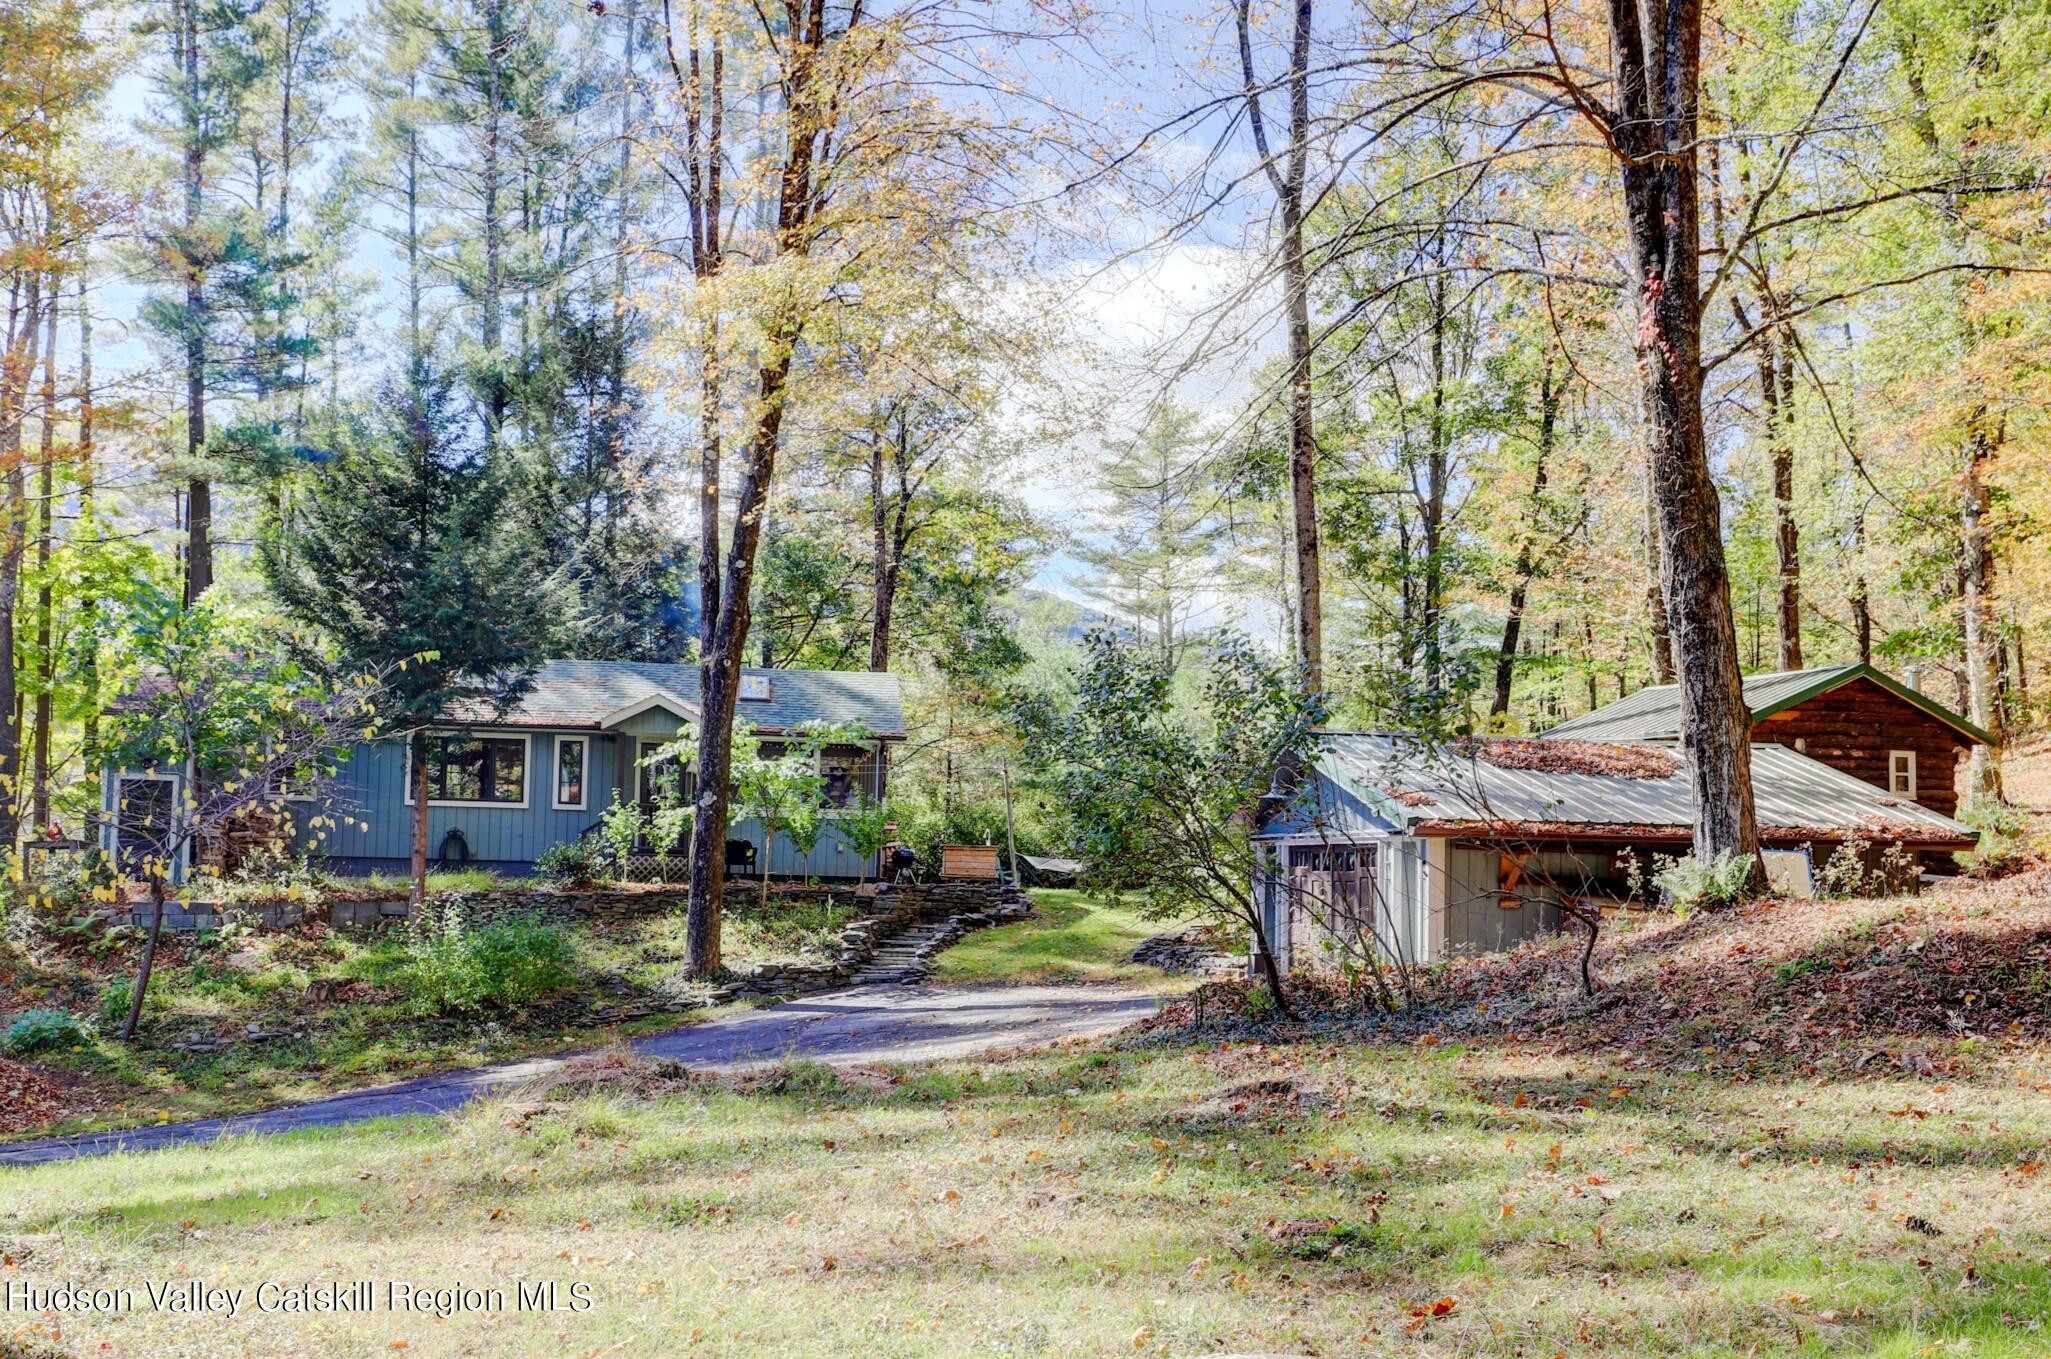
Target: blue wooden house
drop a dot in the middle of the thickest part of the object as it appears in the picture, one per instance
(503, 787)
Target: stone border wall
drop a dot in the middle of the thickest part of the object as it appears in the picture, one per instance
(881, 913)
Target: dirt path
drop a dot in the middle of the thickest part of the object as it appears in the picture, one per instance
(863, 1024)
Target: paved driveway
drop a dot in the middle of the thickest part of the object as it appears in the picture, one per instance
(863, 1024)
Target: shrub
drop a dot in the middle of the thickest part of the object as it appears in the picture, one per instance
(39, 1030)
(1692, 885)
(622, 826)
(2003, 838)
(452, 966)
(572, 864)
(114, 997)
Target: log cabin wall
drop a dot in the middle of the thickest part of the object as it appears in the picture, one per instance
(1854, 726)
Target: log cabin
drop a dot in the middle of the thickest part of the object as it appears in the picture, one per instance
(1850, 717)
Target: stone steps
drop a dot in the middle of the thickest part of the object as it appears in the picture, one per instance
(894, 944)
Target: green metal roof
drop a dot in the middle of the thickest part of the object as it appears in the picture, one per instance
(1654, 714)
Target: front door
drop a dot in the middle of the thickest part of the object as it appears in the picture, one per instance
(1335, 885)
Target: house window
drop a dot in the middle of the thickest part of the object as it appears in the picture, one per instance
(756, 689)
(477, 769)
(663, 781)
(571, 760)
(1901, 773)
(845, 773)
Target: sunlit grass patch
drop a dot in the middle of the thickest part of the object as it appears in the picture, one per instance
(1074, 939)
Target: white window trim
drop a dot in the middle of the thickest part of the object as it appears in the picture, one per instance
(1892, 757)
(555, 777)
(526, 763)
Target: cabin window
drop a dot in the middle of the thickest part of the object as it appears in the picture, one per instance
(478, 769)
(664, 781)
(1901, 773)
(845, 773)
(756, 689)
(571, 761)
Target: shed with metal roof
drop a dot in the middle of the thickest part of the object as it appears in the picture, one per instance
(1424, 850)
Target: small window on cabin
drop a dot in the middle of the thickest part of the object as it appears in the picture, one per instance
(756, 689)
(476, 769)
(1901, 773)
(569, 772)
(846, 773)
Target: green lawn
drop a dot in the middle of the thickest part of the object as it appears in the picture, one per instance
(1281, 1198)
(1074, 939)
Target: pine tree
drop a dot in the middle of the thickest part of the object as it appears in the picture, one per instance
(413, 545)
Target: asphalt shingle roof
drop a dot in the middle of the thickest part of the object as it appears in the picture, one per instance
(580, 694)
(1654, 714)
(1410, 785)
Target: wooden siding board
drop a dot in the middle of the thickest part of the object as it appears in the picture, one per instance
(371, 788)
(1476, 921)
(1854, 726)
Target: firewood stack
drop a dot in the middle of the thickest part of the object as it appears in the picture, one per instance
(257, 831)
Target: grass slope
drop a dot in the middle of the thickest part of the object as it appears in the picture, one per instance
(334, 1012)
(1073, 939)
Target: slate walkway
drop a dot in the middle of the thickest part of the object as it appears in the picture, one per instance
(862, 1024)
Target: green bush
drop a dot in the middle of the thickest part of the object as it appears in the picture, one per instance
(114, 997)
(38, 1030)
(2003, 838)
(452, 966)
(1692, 885)
(572, 864)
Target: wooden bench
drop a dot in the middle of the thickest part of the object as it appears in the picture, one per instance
(968, 863)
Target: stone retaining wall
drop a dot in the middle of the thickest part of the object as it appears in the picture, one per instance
(881, 912)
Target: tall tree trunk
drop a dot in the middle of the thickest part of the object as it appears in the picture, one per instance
(417, 896)
(46, 496)
(1433, 510)
(492, 323)
(1862, 603)
(416, 348)
(808, 122)
(883, 563)
(1288, 181)
(1777, 390)
(701, 87)
(17, 371)
(1976, 549)
(88, 496)
(199, 491)
(1982, 634)
(616, 375)
(1662, 640)
(1657, 67)
(1527, 546)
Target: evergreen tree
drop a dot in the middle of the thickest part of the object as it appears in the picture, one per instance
(413, 546)
(1157, 555)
